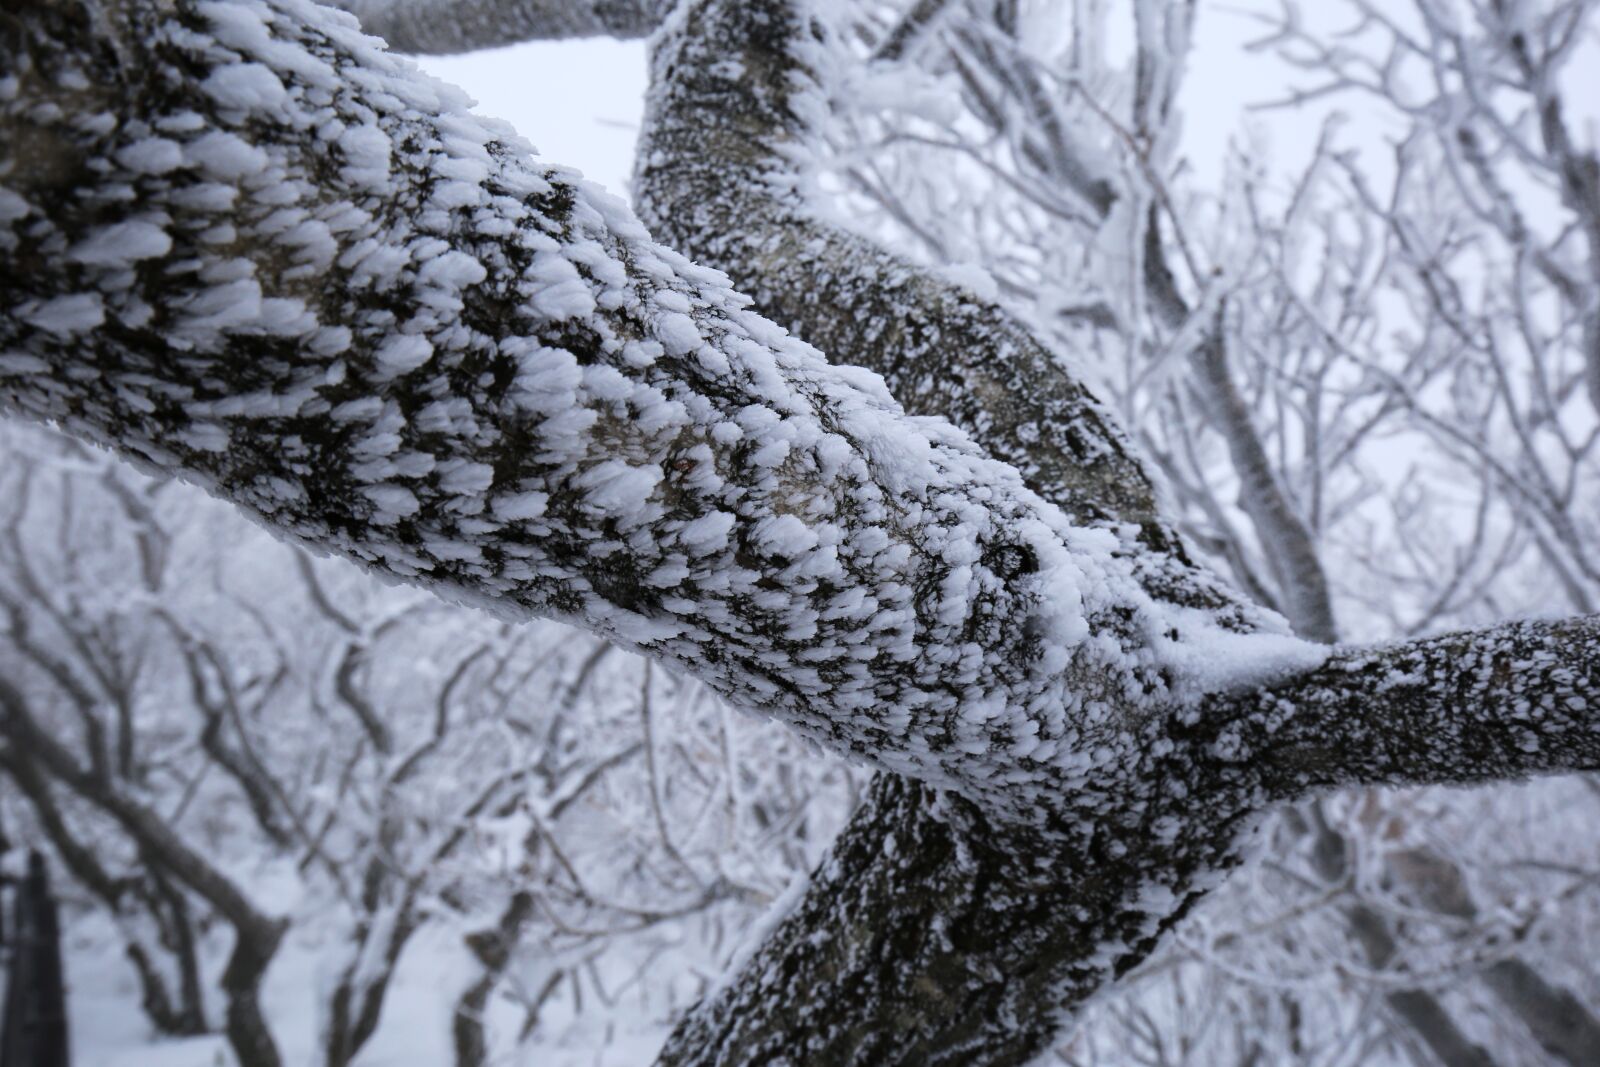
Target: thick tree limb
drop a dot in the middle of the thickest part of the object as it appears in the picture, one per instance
(1512, 701)
(721, 176)
(298, 275)
(951, 939)
(718, 176)
(447, 27)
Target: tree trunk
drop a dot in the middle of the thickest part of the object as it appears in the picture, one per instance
(494, 950)
(357, 1002)
(33, 1032)
(932, 935)
(245, 1026)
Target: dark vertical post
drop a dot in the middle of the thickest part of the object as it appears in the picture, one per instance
(33, 1032)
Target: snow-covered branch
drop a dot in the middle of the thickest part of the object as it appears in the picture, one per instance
(305, 276)
(1515, 700)
(445, 27)
(723, 176)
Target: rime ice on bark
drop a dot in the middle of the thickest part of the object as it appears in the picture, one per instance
(366, 316)
(723, 174)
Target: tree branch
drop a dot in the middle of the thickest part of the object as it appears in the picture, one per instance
(448, 27)
(1519, 699)
(307, 280)
(952, 938)
(721, 175)
(257, 934)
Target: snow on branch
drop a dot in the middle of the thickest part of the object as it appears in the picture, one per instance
(724, 173)
(725, 167)
(447, 27)
(1512, 701)
(244, 243)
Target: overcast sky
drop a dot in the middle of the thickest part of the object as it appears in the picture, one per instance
(579, 102)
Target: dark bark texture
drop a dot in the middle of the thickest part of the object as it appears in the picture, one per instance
(33, 1020)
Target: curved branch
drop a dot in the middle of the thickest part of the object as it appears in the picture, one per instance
(719, 176)
(449, 27)
(310, 281)
(1286, 541)
(1509, 702)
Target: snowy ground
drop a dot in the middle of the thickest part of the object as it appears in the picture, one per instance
(108, 1029)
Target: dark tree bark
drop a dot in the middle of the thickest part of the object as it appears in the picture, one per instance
(494, 948)
(933, 934)
(33, 1031)
(717, 178)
